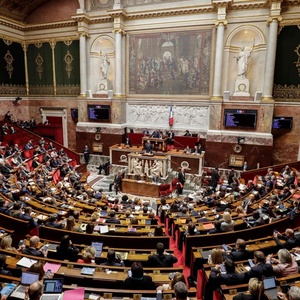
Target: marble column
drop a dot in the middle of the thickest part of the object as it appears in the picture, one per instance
(270, 58)
(119, 65)
(26, 69)
(217, 94)
(83, 64)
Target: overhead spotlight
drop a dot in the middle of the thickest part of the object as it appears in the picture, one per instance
(241, 140)
(17, 100)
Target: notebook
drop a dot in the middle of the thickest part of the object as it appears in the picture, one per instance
(98, 246)
(27, 279)
(87, 271)
(270, 288)
(53, 289)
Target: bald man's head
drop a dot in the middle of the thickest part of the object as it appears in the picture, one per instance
(35, 290)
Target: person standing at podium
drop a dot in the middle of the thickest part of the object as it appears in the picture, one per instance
(148, 147)
(155, 134)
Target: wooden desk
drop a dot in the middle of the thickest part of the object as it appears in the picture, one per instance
(193, 163)
(140, 188)
(104, 277)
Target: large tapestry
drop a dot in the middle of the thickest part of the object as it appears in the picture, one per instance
(170, 62)
(287, 66)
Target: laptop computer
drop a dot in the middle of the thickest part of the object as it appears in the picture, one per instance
(53, 289)
(98, 246)
(270, 287)
(27, 279)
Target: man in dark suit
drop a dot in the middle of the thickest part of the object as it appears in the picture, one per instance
(27, 217)
(181, 181)
(239, 252)
(216, 278)
(148, 147)
(289, 237)
(161, 258)
(214, 178)
(113, 259)
(112, 218)
(261, 269)
(32, 248)
(117, 183)
(137, 280)
(52, 222)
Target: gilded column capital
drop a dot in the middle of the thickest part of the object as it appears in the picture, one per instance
(84, 34)
(274, 19)
(221, 22)
(119, 30)
(25, 47)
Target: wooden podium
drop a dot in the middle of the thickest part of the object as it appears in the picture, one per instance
(159, 145)
(149, 165)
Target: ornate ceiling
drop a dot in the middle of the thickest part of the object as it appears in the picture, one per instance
(19, 9)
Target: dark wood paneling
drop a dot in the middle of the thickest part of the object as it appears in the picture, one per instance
(87, 138)
(217, 154)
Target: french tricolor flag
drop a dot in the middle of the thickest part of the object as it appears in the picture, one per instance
(171, 119)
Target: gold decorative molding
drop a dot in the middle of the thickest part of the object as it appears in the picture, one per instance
(9, 60)
(12, 89)
(68, 59)
(84, 34)
(286, 92)
(39, 62)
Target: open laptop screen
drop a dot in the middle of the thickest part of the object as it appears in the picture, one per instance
(28, 278)
(53, 286)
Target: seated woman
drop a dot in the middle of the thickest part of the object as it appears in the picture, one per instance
(228, 223)
(177, 277)
(71, 225)
(38, 268)
(255, 291)
(216, 256)
(66, 249)
(88, 256)
(6, 244)
(285, 265)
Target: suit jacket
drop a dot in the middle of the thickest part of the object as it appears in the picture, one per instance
(113, 221)
(181, 178)
(164, 260)
(148, 148)
(289, 243)
(32, 251)
(259, 271)
(144, 283)
(237, 255)
(216, 280)
(247, 296)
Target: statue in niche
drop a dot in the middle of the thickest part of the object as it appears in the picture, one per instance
(104, 65)
(243, 61)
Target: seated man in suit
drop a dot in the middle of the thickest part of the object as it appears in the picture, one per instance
(261, 268)
(239, 252)
(113, 259)
(112, 218)
(216, 278)
(290, 240)
(137, 280)
(32, 248)
(161, 258)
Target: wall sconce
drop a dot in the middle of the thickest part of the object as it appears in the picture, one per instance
(240, 140)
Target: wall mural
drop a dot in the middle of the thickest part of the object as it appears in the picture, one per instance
(170, 62)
